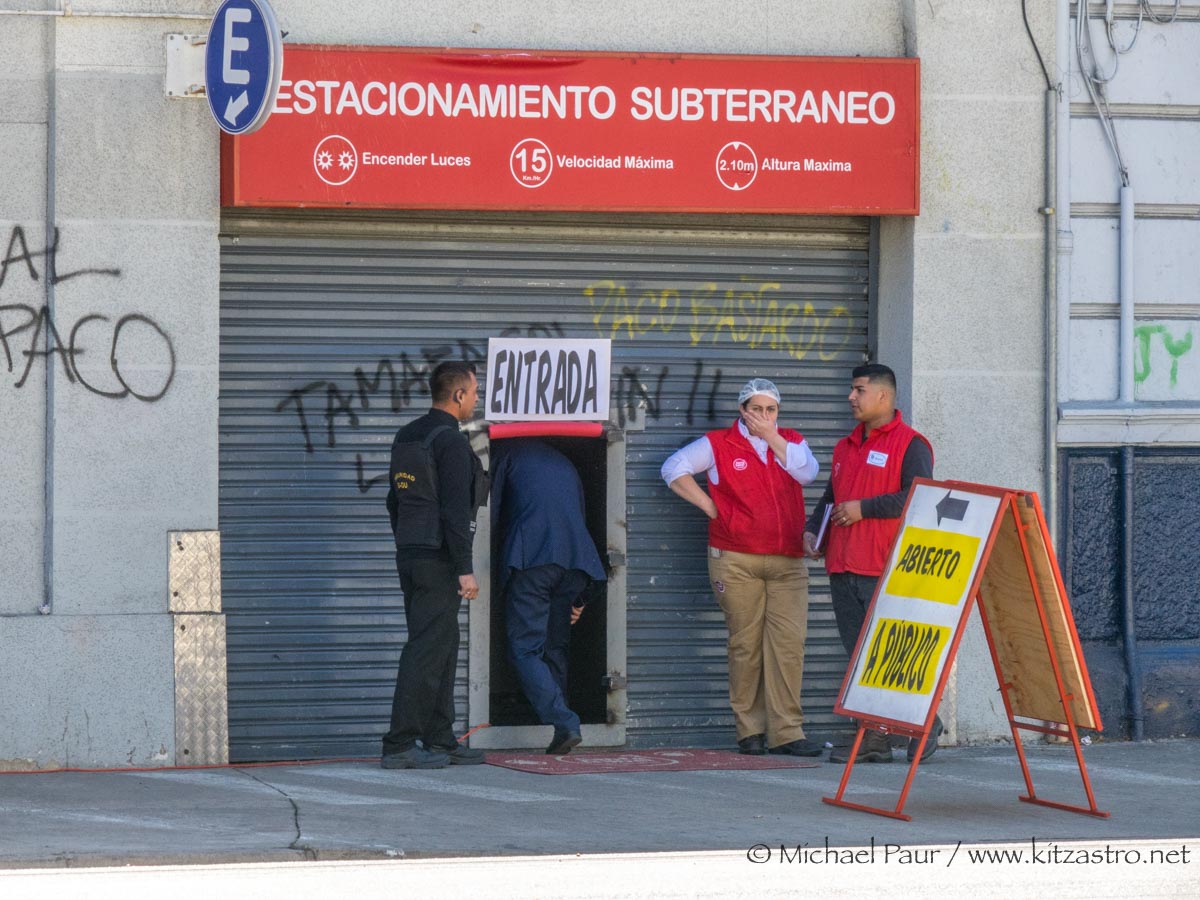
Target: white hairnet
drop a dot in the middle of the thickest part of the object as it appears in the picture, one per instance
(758, 386)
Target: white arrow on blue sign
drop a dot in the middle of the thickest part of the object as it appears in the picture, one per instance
(243, 63)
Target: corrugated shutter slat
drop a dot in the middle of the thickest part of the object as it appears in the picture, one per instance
(315, 309)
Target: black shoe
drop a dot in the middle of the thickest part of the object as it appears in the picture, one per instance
(802, 747)
(459, 754)
(563, 742)
(873, 749)
(930, 742)
(753, 745)
(414, 758)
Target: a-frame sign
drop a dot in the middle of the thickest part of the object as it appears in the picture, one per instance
(961, 544)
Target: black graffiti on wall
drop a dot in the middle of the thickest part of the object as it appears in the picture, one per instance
(30, 333)
(633, 395)
(401, 379)
(324, 408)
(398, 381)
(17, 242)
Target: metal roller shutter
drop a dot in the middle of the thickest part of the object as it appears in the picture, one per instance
(328, 327)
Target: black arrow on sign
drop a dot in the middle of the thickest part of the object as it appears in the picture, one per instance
(949, 508)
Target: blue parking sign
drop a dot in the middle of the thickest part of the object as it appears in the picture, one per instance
(243, 63)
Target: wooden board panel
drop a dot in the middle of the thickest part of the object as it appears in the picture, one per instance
(1019, 642)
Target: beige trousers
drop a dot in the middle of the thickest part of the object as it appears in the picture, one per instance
(765, 601)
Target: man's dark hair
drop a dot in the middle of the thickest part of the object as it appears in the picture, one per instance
(448, 377)
(876, 373)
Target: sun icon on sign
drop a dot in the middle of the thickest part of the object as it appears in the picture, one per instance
(331, 149)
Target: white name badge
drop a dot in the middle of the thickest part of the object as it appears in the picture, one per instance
(875, 458)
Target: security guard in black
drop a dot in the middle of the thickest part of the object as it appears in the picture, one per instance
(434, 526)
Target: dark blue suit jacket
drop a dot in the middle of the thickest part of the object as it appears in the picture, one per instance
(537, 503)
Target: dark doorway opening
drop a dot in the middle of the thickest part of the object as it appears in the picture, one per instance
(587, 692)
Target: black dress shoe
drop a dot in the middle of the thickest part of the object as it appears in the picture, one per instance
(802, 747)
(414, 758)
(753, 745)
(459, 755)
(563, 742)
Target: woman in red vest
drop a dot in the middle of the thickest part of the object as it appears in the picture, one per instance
(755, 507)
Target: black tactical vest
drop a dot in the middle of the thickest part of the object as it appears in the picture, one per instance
(413, 493)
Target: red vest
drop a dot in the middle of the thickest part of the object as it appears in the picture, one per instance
(860, 470)
(760, 508)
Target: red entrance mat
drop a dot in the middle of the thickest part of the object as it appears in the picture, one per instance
(643, 761)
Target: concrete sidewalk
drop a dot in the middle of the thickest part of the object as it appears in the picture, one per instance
(359, 811)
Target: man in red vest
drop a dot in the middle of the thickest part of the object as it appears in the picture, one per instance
(755, 507)
(873, 468)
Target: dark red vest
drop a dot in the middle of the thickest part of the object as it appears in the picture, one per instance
(864, 469)
(760, 508)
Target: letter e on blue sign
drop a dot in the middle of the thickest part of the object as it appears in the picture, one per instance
(243, 63)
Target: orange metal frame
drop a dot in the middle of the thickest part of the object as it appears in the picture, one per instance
(888, 726)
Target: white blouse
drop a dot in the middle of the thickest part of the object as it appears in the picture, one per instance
(698, 457)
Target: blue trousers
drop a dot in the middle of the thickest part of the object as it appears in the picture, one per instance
(538, 613)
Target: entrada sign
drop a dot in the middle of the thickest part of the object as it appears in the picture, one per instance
(466, 129)
(542, 379)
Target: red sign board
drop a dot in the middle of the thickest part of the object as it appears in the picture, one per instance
(472, 129)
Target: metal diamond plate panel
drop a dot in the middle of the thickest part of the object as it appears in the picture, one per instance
(201, 696)
(194, 571)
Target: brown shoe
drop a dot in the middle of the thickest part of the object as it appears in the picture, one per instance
(874, 748)
(930, 743)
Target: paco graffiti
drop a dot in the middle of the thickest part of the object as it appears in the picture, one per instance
(749, 315)
(29, 334)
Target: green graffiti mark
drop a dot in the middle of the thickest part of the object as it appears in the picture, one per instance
(1174, 348)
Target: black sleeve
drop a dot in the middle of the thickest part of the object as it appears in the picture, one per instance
(452, 455)
(814, 521)
(918, 463)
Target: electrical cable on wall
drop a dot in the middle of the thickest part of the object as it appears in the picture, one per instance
(1093, 80)
(1153, 17)
(1029, 31)
(1145, 10)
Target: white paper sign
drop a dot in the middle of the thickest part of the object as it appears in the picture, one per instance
(538, 379)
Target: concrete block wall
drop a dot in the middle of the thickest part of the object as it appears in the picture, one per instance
(968, 275)
(134, 442)
(22, 223)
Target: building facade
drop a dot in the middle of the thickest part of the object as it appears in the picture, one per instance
(199, 397)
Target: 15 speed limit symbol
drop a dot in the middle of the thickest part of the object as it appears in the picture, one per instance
(531, 163)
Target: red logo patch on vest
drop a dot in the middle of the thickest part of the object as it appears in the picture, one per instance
(740, 464)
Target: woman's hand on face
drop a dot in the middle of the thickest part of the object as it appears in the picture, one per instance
(758, 425)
